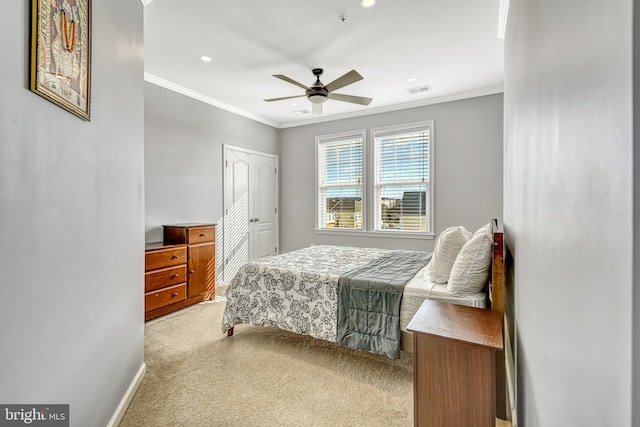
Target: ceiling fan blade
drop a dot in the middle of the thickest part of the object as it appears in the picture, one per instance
(286, 97)
(316, 109)
(350, 98)
(351, 77)
(293, 82)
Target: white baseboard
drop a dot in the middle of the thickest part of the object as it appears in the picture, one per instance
(126, 399)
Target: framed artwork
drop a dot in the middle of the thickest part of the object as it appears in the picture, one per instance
(61, 53)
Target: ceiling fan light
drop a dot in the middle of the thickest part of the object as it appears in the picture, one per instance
(367, 3)
(317, 98)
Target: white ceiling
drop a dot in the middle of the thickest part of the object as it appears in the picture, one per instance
(450, 45)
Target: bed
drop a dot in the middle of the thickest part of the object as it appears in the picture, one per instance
(299, 291)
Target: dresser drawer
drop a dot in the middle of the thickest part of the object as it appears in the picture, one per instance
(158, 279)
(168, 296)
(161, 258)
(200, 235)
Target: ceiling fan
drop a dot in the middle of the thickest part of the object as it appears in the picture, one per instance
(318, 93)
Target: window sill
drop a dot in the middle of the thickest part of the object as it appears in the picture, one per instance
(384, 234)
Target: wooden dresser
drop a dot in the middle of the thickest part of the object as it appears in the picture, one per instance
(165, 278)
(454, 374)
(201, 255)
(181, 271)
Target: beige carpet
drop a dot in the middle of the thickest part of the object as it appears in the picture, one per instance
(196, 376)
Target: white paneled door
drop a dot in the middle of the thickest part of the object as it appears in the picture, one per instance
(250, 222)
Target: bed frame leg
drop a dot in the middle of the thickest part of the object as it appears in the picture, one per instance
(229, 332)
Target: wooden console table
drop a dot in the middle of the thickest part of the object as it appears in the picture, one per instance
(454, 370)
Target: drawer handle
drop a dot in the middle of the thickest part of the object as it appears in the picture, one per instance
(174, 276)
(175, 294)
(191, 271)
(202, 234)
(175, 257)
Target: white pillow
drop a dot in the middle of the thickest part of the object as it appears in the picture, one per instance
(445, 251)
(470, 271)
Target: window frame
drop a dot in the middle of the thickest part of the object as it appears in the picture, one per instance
(321, 139)
(369, 207)
(376, 213)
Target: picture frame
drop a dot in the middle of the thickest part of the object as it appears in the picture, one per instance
(61, 53)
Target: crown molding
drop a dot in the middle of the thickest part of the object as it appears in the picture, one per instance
(319, 119)
(491, 90)
(206, 99)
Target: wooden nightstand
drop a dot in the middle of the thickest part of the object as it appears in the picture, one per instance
(454, 350)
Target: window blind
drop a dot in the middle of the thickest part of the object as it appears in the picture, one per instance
(340, 182)
(402, 179)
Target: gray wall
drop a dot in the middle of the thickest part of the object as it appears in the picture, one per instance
(72, 214)
(183, 156)
(467, 164)
(568, 208)
(636, 216)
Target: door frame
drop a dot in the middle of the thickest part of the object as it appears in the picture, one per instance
(225, 208)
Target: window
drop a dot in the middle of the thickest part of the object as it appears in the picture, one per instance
(381, 188)
(402, 184)
(340, 174)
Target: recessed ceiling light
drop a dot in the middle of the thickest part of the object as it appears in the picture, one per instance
(293, 104)
(367, 3)
(205, 58)
(412, 79)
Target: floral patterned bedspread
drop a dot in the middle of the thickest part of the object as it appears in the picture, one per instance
(295, 291)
